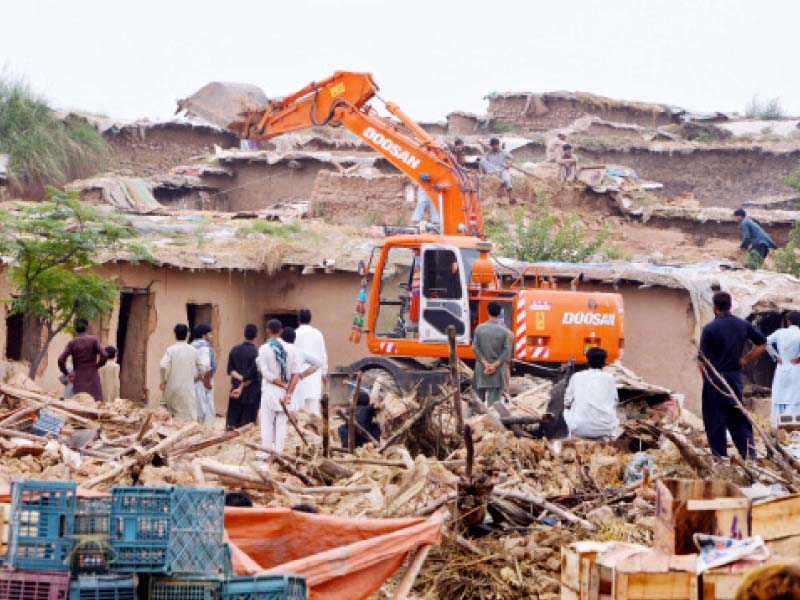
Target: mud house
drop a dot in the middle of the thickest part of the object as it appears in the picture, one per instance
(229, 272)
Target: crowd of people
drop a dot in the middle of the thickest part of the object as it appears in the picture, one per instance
(288, 372)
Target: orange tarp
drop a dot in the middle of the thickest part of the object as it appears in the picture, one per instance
(341, 559)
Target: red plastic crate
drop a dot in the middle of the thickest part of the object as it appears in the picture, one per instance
(33, 585)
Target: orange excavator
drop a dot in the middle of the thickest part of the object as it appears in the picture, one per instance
(422, 283)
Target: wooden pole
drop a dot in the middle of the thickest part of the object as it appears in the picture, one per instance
(456, 381)
(542, 503)
(296, 427)
(326, 433)
(410, 576)
(351, 430)
(470, 451)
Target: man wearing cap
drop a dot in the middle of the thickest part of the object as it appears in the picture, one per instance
(497, 162)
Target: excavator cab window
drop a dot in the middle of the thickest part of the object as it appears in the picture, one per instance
(395, 318)
(444, 299)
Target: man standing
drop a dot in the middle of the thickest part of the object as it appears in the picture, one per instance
(753, 235)
(87, 358)
(305, 366)
(245, 393)
(784, 347)
(497, 162)
(204, 382)
(424, 203)
(109, 376)
(722, 344)
(180, 366)
(492, 347)
(458, 152)
(275, 362)
(591, 400)
(310, 340)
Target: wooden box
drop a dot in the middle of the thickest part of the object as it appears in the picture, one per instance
(5, 515)
(776, 519)
(722, 582)
(688, 506)
(576, 566)
(673, 585)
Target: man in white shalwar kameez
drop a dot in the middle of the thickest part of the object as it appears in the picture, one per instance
(784, 347)
(276, 363)
(204, 382)
(309, 339)
(305, 366)
(179, 367)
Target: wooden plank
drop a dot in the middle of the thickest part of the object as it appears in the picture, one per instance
(568, 594)
(5, 517)
(672, 585)
(788, 546)
(570, 568)
(721, 586)
(777, 519)
(718, 504)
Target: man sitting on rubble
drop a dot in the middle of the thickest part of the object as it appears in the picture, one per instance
(497, 162)
(591, 400)
(569, 165)
(365, 417)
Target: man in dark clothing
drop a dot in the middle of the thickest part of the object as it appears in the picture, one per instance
(87, 358)
(245, 397)
(365, 416)
(753, 235)
(722, 343)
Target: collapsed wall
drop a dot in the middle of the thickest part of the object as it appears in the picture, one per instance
(145, 148)
(527, 111)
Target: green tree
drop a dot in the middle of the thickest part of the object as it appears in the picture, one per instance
(53, 247)
(540, 236)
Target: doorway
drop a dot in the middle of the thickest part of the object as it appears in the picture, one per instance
(133, 330)
(14, 335)
(287, 319)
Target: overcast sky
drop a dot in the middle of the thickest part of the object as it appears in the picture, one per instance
(136, 58)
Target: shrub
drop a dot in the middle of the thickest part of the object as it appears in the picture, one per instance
(767, 109)
(43, 149)
(270, 228)
(785, 258)
(540, 237)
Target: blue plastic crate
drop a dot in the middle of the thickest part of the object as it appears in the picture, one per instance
(47, 424)
(264, 587)
(180, 589)
(197, 532)
(92, 516)
(91, 556)
(108, 587)
(140, 528)
(41, 524)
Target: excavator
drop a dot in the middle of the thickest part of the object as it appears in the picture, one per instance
(425, 282)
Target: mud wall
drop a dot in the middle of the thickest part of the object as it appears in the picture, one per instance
(144, 151)
(716, 177)
(354, 199)
(659, 324)
(523, 113)
(240, 298)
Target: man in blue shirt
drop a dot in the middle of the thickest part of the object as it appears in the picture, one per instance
(722, 343)
(753, 236)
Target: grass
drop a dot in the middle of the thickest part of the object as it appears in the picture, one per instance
(44, 150)
(270, 228)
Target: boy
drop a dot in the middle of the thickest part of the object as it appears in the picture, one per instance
(109, 376)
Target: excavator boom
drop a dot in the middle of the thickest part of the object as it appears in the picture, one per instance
(342, 99)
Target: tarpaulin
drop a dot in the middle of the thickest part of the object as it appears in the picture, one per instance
(341, 558)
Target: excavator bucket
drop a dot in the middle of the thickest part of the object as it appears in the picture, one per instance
(221, 103)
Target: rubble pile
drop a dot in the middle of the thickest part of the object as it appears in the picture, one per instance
(512, 499)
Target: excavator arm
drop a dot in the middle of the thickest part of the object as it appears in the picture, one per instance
(343, 100)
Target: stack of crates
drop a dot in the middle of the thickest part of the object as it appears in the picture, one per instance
(264, 587)
(41, 521)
